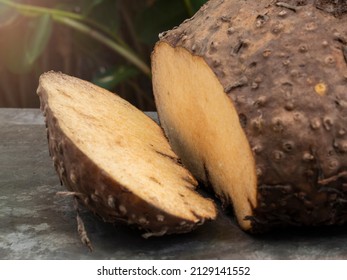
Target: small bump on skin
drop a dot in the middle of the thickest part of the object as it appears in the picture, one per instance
(342, 132)
(231, 31)
(286, 62)
(215, 27)
(288, 146)
(261, 101)
(73, 177)
(277, 155)
(257, 124)
(282, 13)
(277, 125)
(184, 38)
(287, 89)
(111, 202)
(213, 47)
(289, 106)
(341, 146)
(259, 172)
(86, 200)
(303, 49)
(328, 123)
(294, 73)
(329, 60)
(160, 218)
(333, 164)
(254, 86)
(162, 35)
(200, 222)
(257, 149)
(258, 80)
(338, 36)
(143, 221)
(122, 209)
(315, 124)
(225, 19)
(307, 156)
(267, 53)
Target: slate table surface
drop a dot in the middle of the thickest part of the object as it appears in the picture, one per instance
(35, 223)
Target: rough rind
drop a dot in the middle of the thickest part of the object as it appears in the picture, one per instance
(99, 191)
(284, 67)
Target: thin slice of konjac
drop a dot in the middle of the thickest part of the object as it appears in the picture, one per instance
(117, 159)
(204, 128)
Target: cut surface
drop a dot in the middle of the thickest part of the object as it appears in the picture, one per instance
(105, 140)
(204, 128)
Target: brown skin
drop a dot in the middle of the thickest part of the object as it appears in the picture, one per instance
(284, 68)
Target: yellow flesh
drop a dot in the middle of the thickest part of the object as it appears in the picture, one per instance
(123, 142)
(203, 126)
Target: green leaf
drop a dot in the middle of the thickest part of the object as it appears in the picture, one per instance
(38, 39)
(7, 15)
(90, 5)
(113, 77)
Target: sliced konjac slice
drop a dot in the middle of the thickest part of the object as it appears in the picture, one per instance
(204, 128)
(117, 159)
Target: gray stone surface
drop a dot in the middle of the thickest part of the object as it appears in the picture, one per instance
(37, 224)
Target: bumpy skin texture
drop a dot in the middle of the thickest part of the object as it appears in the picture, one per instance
(284, 67)
(98, 191)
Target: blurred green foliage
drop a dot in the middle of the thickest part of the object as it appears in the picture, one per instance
(106, 41)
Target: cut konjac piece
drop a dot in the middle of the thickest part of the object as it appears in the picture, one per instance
(117, 160)
(252, 96)
(203, 127)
